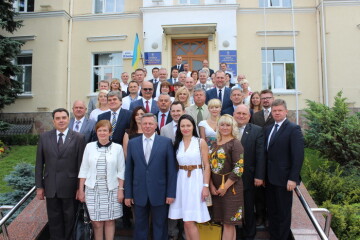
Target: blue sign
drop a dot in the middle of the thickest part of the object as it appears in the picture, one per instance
(232, 68)
(152, 58)
(227, 56)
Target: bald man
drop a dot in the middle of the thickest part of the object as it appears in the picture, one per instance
(79, 123)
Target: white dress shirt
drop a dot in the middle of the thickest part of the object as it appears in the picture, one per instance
(63, 136)
(273, 128)
(159, 116)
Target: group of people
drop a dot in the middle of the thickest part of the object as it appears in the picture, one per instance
(158, 150)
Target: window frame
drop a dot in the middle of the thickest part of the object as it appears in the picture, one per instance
(266, 4)
(16, 4)
(188, 2)
(93, 67)
(104, 7)
(265, 72)
(23, 80)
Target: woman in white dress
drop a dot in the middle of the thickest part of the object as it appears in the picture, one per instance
(102, 105)
(193, 178)
(101, 183)
(208, 127)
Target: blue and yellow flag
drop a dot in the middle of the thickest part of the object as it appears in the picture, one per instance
(136, 53)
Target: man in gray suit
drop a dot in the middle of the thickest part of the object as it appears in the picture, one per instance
(203, 77)
(80, 123)
(176, 111)
(199, 111)
(58, 161)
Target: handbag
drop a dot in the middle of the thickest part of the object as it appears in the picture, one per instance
(83, 228)
(209, 231)
(208, 200)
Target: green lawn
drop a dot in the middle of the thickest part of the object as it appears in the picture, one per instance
(17, 155)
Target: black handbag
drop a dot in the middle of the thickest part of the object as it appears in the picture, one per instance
(83, 228)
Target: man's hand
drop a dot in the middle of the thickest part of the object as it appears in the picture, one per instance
(258, 182)
(291, 185)
(40, 193)
(129, 202)
(170, 200)
(80, 195)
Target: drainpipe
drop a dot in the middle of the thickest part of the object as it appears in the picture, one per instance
(325, 77)
(319, 53)
(68, 99)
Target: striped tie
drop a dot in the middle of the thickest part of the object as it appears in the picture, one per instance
(113, 122)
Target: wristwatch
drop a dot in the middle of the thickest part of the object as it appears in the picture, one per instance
(206, 185)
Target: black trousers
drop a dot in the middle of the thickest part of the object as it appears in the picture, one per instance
(249, 213)
(61, 217)
(279, 203)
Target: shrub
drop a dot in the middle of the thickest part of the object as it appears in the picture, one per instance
(4, 150)
(22, 139)
(345, 220)
(334, 132)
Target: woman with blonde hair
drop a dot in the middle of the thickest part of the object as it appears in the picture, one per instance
(183, 95)
(208, 127)
(102, 105)
(246, 91)
(227, 165)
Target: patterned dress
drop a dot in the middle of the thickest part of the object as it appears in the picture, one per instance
(226, 161)
(102, 203)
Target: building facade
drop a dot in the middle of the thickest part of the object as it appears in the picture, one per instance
(301, 49)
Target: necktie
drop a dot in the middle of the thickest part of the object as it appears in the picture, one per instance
(147, 108)
(274, 132)
(203, 86)
(266, 114)
(147, 149)
(199, 116)
(77, 126)
(162, 123)
(178, 67)
(220, 94)
(60, 142)
(113, 121)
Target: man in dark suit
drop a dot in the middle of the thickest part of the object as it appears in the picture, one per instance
(163, 116)
(119, 117)
(179, 66)
(58, 161)
(237, 98)
(140, 78)
(150, 179)
(284, 155)
(252, 139)
(147, 102)
(219, 91)
(80, 123)
(263, 119)
(174, 76)
(155, 73)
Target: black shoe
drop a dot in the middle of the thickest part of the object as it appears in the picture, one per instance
(259, 221)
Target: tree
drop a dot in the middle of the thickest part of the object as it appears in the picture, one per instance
(9, 49)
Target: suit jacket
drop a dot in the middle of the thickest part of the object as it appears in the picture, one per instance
(228, 110)
(207, 86)
(284, 154)
(212, 93)
(258, 119)
(192, 111)
(155, 180)
(154, 107)
(168, 119)
(91, 105)
(254, 156)
(122, 123)
(57, 171)
(87, 128)
(181, 67)
(170, 80)
(168, 131)
(155, 85)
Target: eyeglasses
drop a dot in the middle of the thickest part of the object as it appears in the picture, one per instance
(147, 89)
(266, 98)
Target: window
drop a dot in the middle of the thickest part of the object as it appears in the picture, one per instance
(106, 66)
(24, 5)
(25, 62)
(109, 6)
(189, 1)
(278, 69)
(275, 3)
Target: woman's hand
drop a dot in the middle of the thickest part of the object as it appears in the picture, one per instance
(221, 191)
(213, 190)
(81, 196)
(205, 193)
(120, 195)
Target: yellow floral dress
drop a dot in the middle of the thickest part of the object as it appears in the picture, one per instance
(226, 161)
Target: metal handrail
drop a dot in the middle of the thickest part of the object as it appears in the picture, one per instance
(13, 210)
(324, 234)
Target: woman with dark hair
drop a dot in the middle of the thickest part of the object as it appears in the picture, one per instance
(135, 126)
(165, 87)
(255, 103)
(227, 79)
(192, 187)
(195, 75)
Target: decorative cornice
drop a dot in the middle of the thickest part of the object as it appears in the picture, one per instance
(43, 15)
(277, 33)
(328, 3)
(101, 16)
(191, 7)
(107, 38)
(24, 38)
(275, 10)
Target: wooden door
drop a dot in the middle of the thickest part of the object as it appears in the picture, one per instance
(193, 51)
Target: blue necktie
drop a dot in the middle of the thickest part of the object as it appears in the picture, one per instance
(220, 95)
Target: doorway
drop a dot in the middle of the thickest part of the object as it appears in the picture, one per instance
(192, 51)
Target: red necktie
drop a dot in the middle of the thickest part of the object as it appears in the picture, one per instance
(162, 123)
(147, 107)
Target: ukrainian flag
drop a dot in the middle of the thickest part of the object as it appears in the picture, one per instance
(136, 53)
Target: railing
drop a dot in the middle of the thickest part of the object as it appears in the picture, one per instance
(324, 234)
(13, 209)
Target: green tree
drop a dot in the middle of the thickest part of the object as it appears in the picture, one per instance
(9, 49)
